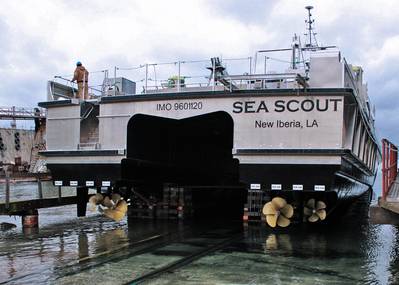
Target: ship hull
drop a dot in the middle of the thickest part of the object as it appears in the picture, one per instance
(337, 189)
(297, 145)
(341, 190)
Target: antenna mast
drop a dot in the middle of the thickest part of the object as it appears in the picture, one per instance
(312, 42)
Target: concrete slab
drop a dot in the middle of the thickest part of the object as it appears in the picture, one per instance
(380, 215)
(389, 205)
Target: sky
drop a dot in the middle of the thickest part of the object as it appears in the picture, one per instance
(41, 39)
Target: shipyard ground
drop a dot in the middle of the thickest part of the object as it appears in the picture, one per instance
(93, 249)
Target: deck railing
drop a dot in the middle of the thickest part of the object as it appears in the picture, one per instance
(389, 166)
(193, 75)
(213, 74)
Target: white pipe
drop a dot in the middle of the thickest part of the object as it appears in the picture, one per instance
(115, 81)
(213, 73)
(178, 77)
(146, 78)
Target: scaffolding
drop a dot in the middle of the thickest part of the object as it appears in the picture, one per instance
(19, 113)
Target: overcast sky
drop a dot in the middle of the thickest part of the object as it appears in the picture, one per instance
(40, 39)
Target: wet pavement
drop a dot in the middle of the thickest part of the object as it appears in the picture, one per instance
(93, 249)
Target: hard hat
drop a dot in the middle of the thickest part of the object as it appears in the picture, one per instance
(78, 63)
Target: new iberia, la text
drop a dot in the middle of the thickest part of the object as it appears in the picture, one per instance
(286, 124)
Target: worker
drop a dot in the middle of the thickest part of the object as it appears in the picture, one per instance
(81, 75)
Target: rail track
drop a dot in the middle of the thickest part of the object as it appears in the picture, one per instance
(214, 246)
(199, 241)
(142, 257)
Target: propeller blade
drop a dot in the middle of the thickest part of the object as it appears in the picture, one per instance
(94, 201)
(279, 202)
(283, 221)
(320, 205)
(115, 198)
(121, 207)
(311, 203)
(107, 202)
(313, 218)
(287, 211)
(268, 209)
(118, 216)
(271, 220)
(322, 214)
(109, 213)
(92, 207)
(114, 214)
(307, 212)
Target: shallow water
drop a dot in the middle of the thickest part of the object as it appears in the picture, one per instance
(93, 249)
(344, 255)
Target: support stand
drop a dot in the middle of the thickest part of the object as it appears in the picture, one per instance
(82, 195)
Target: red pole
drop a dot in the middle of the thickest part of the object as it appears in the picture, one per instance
(389, 166)
(383, 169)
(396, 161)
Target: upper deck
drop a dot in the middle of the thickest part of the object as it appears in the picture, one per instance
(317, 68)
(323, 67)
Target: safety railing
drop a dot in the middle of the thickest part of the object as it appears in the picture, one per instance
(182, 76)
(389, 166)
(197, 75)
(63, 87)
